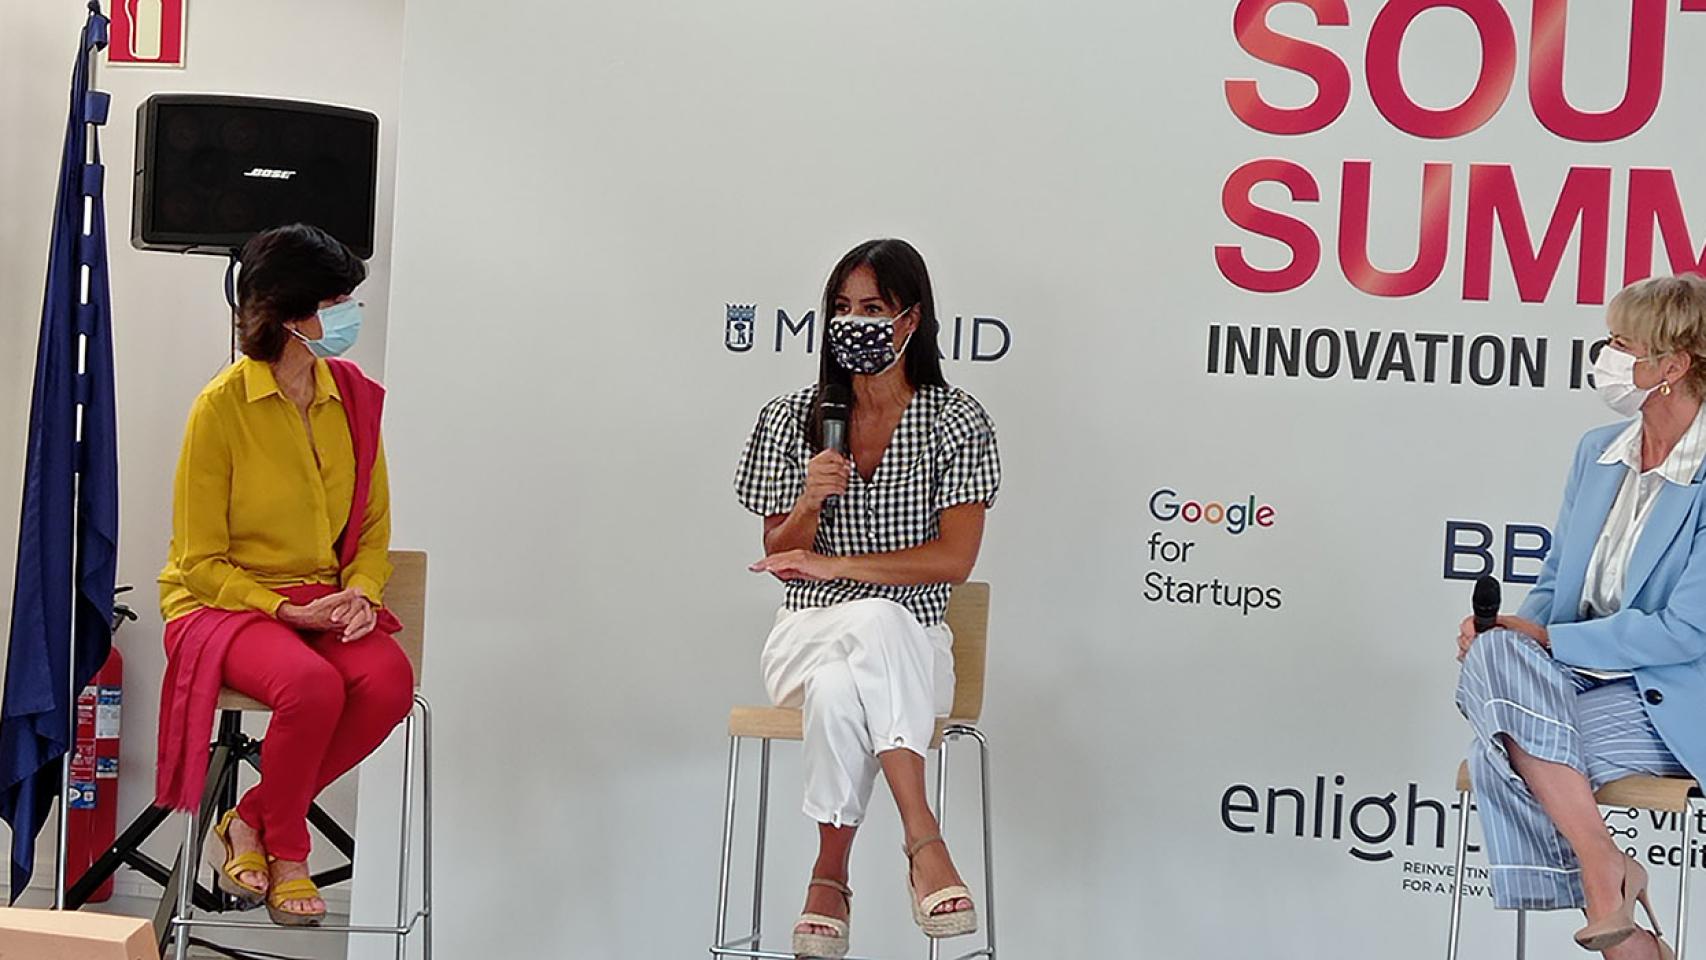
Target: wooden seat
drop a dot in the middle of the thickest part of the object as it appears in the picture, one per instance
(968, 618)
(405, 596)
(1640, 792)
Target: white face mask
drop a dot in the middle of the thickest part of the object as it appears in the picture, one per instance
(1614, 381)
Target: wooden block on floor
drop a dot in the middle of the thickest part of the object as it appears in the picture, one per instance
(69, 935)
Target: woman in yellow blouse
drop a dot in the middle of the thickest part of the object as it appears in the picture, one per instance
(280, 535)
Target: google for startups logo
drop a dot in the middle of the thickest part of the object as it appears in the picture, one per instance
(1236, 519)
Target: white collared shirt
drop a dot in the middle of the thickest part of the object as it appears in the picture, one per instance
(1602, 593)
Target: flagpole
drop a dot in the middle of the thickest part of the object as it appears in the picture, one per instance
(62, 854)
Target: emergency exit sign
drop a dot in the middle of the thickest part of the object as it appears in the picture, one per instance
(147, 33)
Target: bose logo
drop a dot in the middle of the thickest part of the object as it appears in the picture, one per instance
(267, 173)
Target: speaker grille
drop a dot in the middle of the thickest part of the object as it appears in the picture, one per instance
(214, 171)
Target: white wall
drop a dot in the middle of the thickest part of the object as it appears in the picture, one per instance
(585, 186)
(169, 314)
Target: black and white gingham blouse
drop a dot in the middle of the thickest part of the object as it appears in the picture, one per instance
(942, 455)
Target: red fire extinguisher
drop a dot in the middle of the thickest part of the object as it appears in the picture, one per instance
(94, 773)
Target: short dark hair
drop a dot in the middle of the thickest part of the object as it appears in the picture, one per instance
(287, 272)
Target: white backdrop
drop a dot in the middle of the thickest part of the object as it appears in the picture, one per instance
(584, 190)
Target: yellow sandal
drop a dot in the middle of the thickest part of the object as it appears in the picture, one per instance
(229, 870)
(284, 891)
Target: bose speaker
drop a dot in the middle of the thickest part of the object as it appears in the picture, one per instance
(213, 171)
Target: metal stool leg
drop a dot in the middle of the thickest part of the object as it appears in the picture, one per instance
(728, 845)
(426, 826)
(1682, 883)
(941, 812)
(1457, 876)
(1522, 935)
(758, 858)
(186, 884)
(405, 833)
(988, 844)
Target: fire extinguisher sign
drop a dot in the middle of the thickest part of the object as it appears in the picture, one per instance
(147, 33)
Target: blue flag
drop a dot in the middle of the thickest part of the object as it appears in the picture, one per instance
(68, 535)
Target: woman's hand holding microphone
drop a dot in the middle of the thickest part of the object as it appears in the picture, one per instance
(827, 475)
(1466, 632)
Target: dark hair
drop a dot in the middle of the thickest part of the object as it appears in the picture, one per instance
(903, 281)
(287, 272)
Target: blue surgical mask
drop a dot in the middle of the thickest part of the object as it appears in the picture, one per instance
(340, 324)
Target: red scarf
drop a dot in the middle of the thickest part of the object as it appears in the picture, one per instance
(196, 642)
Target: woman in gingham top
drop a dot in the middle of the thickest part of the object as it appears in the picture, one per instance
(869, 545)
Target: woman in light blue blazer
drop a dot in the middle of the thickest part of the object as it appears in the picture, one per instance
(1602, 673)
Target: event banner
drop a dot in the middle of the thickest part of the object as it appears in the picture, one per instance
(1284, 311)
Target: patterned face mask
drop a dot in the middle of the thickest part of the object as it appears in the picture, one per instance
(865, 345)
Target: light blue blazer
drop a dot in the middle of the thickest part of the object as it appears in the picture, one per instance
(1660, 633)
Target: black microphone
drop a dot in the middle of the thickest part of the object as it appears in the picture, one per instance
(1486, 603)
(835, 410)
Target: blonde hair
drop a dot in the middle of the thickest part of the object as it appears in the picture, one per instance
(1668, 314)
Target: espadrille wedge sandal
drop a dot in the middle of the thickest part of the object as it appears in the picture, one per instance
(229, 868)
(938, 926)
(817, 946)
(286, 891)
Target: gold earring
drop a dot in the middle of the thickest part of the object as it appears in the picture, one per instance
(1664, 388)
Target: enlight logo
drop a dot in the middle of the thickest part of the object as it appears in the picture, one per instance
(269, 173)
(1375, 822)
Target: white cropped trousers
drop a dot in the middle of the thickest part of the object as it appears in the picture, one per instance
(868, 678)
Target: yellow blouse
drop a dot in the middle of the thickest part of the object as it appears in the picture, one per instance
(254, 509)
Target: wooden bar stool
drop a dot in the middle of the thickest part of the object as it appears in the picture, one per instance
(968, 618)
(1664, 794)
(405, 596)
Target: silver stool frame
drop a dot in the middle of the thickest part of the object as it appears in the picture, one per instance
(1680, 930)
(751, 946)
(183, 921)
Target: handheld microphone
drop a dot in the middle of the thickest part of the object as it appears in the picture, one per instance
(1486, 603)
(835, 410)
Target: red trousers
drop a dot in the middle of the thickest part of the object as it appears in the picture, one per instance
(333, 703)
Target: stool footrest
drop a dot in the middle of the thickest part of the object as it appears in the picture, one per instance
(773, 955)
(322, 928)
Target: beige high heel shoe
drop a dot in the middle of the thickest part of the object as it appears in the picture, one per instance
(939, 926)
(817, 945)
(1614, 928)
